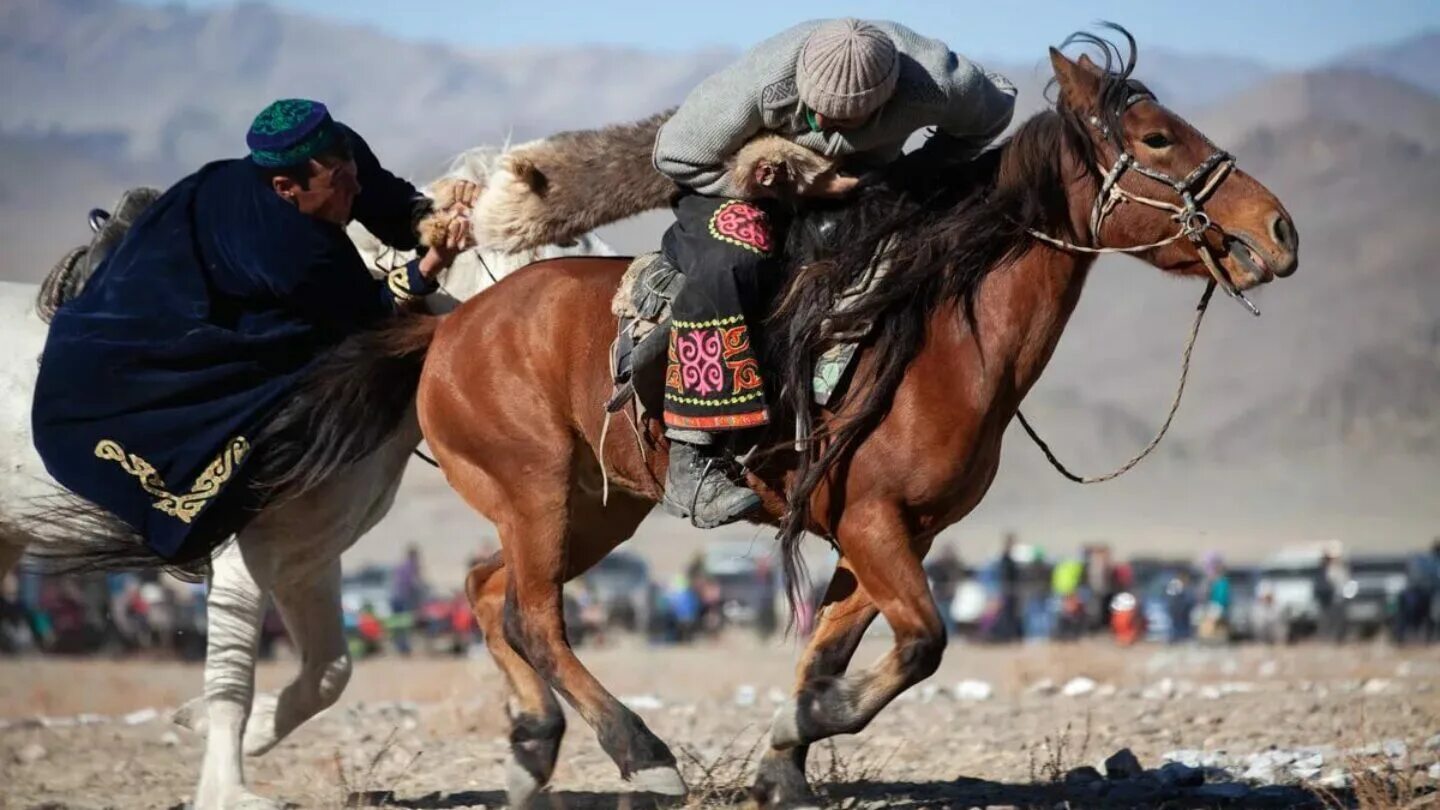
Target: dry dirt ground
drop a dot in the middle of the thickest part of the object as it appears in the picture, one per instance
(430, 732)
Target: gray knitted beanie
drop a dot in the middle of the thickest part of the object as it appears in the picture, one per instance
(848, 68)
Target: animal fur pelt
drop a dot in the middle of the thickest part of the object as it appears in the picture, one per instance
(553, 190)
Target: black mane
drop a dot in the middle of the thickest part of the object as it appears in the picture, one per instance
(943, 227)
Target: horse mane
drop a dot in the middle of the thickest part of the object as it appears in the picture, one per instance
(941, 226)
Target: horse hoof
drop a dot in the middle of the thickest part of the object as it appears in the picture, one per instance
(663, 780)
(785, 728)
(260, 731)
(779, 782)
(240, 800)
(192, 716)
(521, 786)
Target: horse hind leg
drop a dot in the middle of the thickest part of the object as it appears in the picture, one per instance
(846, 612)
(310, 606)
(537, 722)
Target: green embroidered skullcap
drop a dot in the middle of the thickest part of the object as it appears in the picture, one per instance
(289, 132)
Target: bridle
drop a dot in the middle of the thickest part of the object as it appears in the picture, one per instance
(1192, 223)
(1191, 220)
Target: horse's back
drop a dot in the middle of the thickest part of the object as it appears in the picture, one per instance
(22, 333)
(537, 340)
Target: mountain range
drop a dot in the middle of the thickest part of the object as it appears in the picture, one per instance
(1320, 419)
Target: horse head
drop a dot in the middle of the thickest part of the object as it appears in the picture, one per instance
(1162, 190)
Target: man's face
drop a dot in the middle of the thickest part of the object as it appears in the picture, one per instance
(334, 184)
(829, 124)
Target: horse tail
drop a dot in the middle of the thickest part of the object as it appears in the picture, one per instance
(349, 403)
(61, 533)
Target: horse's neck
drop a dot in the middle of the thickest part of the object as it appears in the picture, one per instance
(1023, 308)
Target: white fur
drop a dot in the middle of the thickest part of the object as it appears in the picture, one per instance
(291, 552)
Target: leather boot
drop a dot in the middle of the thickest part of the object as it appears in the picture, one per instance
(699, 487)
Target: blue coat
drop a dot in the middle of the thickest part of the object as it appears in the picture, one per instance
(156, 379)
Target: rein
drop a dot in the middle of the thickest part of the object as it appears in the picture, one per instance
(1192, 223)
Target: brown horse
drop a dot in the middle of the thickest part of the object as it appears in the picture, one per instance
(972, 307)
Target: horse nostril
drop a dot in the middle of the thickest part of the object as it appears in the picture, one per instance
(1282, 231)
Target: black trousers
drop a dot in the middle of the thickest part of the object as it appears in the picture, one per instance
(729, 252)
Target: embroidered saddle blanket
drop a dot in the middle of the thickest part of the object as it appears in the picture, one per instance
(642, 306)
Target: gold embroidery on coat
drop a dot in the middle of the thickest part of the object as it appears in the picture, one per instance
(184, 506)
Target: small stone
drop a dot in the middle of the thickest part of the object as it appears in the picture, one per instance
(141, 717)
(1185, 756)
(1044, 686)
(1375, 686)
(1268, 669)
(1336, 779)
(1223, 791)
(1143, 790)
(973, 690)
(745, 695)
(170, 739)
(1083, 775)
(1078, 687)
(1123, 764)
(1433, 744)
(32, 753)
(642, 703)
(1175, 774)
(1434, 772)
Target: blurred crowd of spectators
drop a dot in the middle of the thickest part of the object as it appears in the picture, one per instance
(1021, 594)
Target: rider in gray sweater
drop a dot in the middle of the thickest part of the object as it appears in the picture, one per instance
(848, 89)
(874, 105)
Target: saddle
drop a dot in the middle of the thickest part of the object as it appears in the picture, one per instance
(642, 306)
(69, 275)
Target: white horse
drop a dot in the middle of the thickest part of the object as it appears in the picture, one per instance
(291, 551)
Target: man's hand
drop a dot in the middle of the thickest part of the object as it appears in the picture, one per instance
(832, 185)
(448, 243)
(452, 192)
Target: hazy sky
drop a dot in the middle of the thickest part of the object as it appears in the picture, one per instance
(1281, 32)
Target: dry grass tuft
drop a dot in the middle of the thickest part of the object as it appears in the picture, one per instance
(724, 780)
(370, 782)
(1056, 755)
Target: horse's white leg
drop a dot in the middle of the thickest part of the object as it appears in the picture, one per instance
(311, 608)
(235, 608)
(305, 539)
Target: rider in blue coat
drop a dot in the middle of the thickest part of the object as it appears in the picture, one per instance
(158, 378)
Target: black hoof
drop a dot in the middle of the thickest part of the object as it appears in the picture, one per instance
(780, 782)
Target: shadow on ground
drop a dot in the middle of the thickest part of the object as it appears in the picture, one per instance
(960, 793)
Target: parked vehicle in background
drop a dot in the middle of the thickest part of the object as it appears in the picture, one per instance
(969, 606)
(1241, 616)
(1288, 602)
(747, 582)
(1168, 597)
(620, 585)
(1369, 597)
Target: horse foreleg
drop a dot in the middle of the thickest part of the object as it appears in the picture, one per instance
(310, 606)
(537, 722)
(534, 626)
(886, 564)
(846, 612)
(235, 607)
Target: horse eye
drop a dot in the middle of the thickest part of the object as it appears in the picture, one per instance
(1156, 140)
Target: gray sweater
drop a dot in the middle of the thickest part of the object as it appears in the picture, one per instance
(936, 88)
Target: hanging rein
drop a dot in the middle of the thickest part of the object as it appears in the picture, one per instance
(1192, 223)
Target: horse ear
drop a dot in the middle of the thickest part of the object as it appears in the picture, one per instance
(1078, 85)
(1086, 62)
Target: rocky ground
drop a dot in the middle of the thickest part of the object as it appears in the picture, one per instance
(1025, 726)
